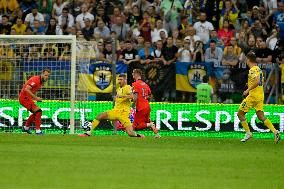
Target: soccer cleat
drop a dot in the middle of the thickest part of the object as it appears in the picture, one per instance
(157, 135)
(277, 137)
(84, 135)
(247, 137)
(40, 133)
(142, 136)
(26, 131)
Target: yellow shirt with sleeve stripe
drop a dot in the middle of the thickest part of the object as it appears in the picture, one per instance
(123, 103)
(257, 93)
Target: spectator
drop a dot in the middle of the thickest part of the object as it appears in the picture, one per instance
(34, 53)
(128, 6)
(270, 6)
(130, 57)
(72, 30)
(176, 37)
(65, 20)
(66, 53)
(236, 49)
(204, 91)
(214, 55)
(142, 4)
(45, 7)
(17, 14)
(157, 53)
(190, 34)
(155, 31)
(198, 53)
(5, 26)
(107, 53)
(120, 28)
(117, 14)
(49, 51)
(102, 16)
(145, 27)
(37, 28)
(263, 54)
(272, 40)
(88, 30)
(58, 8)
(102, 29)
(13, 32)
(214, 36)
(203, 28)
(225, 33)
(152, 14)
(229, 58)
(182, 27)
(171, 10)
(184, 54)
(242, 40)
(80, 19)
(34, 15)
(134, 17)
(163, 36)
(230, 13)
(53, 28)
(8, 6)
(169, 54)
(146, 53)
(258, 30)
(279, 19)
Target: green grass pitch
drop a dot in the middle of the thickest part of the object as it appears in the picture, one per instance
(57, 161)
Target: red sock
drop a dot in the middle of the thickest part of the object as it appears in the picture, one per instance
(30, 120)
(38, 120)
(155, 130)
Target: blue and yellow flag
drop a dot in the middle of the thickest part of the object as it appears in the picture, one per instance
(97, 78)
(190, 74)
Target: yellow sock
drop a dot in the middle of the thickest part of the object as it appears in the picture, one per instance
(268, 124)
(95, 123)
(245, 125)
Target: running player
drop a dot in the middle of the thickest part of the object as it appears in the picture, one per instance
(141, 94)
(27, 97)
(254, 99)
(120, 111)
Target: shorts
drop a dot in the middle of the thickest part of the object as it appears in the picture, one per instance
(251, 102)
(28, 103)
(120, 115)
(142, 117)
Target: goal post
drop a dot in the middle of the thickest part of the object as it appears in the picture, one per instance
(22, 56)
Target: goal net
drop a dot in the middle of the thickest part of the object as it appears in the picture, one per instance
(24, 56)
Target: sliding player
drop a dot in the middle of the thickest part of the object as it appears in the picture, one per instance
(120, 111)
(254, 99)
(141, 93)
(27, 97)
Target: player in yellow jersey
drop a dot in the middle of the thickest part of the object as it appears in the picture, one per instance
(254, 99)
(121, 110)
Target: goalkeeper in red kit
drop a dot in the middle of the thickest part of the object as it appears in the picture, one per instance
(27, 97)
(141, 94)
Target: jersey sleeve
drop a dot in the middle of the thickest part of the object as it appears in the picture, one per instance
(253, 73)
(33, 83)
(128, 90)
(134, 88)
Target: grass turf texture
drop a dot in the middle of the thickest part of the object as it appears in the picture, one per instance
(57, 161)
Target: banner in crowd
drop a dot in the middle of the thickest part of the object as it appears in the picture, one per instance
(97, 77)
(60, 77)
(168, 116)
(190, 74)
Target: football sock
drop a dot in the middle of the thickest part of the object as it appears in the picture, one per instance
(95, 123)
(268, 124)
(245, 126)
(155, 130)
(38, 119)
(29, 121)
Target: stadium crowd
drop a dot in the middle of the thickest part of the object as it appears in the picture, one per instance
(217, 32)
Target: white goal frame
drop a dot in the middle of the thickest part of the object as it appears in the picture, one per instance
(62, 38)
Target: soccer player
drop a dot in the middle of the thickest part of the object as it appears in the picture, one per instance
(27, 97)
(141, 94)
(120, 111)
(254, 98)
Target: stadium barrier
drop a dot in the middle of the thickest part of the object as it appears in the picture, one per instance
(168, 116)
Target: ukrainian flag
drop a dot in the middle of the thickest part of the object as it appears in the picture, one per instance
(190, 74)
(97, 78)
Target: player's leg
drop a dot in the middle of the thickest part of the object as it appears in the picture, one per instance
(268, 124)
(124, 119)
(129, 130)
(38, 113)
(243, 109)
(150, 123)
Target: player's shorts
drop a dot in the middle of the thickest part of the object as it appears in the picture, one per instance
(28, 103)
(142, 117)
(120, 115)
(251, 102)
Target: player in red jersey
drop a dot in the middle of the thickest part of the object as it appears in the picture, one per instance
(27, 97)
(141, 93)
